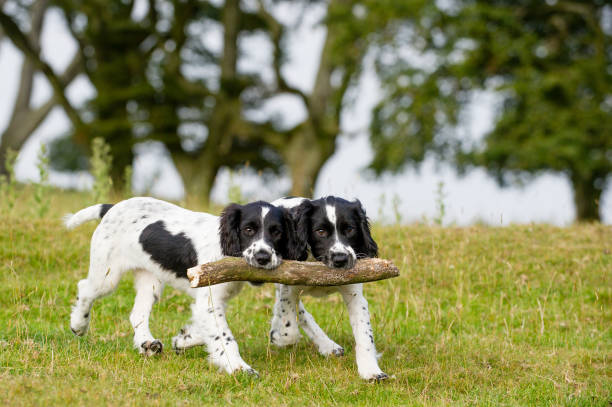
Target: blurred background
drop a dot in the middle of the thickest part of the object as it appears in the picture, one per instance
(460, 111)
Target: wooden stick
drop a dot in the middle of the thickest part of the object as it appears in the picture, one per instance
(290, 272)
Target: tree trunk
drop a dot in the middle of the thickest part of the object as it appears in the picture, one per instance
(199, 170)
(20, 127)
(315, 142)
(24, 120)
(198, 175)
(305, 155)
(586, 198)
(122, 158)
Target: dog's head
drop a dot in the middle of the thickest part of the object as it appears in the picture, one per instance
(261, 233)
(337, 231)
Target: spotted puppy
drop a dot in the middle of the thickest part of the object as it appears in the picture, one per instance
(338, 233)
(159, 242)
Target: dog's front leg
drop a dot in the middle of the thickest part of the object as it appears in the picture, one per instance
(148, 292)
(323, 343)
(284, 328)
(209, 327)
(365, 351)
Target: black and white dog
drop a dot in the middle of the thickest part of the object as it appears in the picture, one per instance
(159, 242)
(338, 233)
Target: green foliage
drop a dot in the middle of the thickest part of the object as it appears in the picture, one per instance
(155, 79)
(548, 61)
(113, 47)
(100, 164)
(66, 155)
(41, 196)
(513, 316)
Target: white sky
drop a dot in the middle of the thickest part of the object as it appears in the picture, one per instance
(474, 197)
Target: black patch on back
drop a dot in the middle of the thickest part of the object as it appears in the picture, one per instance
(173, 252)
(104, 208)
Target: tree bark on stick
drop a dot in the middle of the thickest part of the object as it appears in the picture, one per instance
(291, 273)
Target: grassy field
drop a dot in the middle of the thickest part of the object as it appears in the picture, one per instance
(519, 315)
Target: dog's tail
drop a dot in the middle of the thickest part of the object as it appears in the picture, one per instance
(90, 213)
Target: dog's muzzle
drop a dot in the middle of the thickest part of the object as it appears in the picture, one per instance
(340, 260)
(262, 256)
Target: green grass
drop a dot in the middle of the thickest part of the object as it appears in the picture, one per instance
(519, 316)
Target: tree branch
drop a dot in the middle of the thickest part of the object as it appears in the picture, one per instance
(291, 273)
(74, 68)
(38, 10)
(20, 40)
(276, 32)
(26, 77)
(24, 122)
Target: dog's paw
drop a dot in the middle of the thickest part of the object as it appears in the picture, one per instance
(79, 330)
(243, 368)
(378, 377)
(178, 344)
(284, 338)
(251, 372)
(232, 365)
(331, 349)
(79, 323)
(150, 348)
(186, 340)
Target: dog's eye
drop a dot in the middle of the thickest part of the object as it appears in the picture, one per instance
(249, 231)
(349, 230)
(321, 232)
(275, 232)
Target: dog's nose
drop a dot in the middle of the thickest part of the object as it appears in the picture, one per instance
(339, 259)
(262, 257)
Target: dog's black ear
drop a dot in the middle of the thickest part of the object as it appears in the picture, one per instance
(369, 247)
(229, 232)
(301, 220)
(292, 248)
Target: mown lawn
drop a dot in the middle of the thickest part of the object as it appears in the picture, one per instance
(479, 316)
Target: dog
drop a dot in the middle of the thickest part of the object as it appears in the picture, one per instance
(159, 241)
(338, 233)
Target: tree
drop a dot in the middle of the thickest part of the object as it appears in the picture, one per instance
(549, 61)
(25, 118)
(307, 146)
(116, 50)
(139, 68)
(233, 140)
(186, 104)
